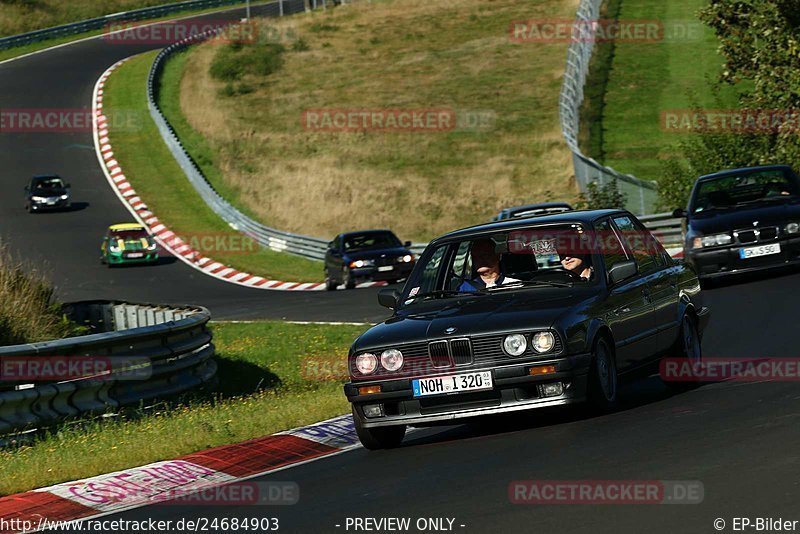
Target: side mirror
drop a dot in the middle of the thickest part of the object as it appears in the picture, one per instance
(388, 298)
(407, 244)
(621, 271)
(679, 213)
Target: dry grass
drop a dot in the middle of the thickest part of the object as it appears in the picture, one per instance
(411, 54)
(20, 16)
(27, 310)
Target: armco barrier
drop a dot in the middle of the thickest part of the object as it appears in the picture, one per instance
(102, 22)
(641, 194)
(170, 351)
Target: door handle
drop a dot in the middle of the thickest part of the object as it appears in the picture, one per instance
(621, 311)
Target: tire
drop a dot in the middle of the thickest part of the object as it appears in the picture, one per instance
(603, 380)
(330, 283)
(347, 279)
(688, 347)
(387, 437)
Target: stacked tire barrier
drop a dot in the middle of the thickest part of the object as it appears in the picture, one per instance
(157, 351)
(641, 194)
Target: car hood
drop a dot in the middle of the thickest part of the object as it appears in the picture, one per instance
(766, 214)
(502, 312)
(376, 253)
(50, 193)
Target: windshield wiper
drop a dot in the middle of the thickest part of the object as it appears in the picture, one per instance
(449, 293)
(532, 283)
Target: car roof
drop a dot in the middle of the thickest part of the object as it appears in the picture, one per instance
(46, 176)
(742, 170)
(366, 232)
(125, 226)
(578, 216)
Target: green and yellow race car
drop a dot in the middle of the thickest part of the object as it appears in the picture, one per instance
(128, 243)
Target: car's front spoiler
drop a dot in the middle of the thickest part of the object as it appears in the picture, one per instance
(514, 389)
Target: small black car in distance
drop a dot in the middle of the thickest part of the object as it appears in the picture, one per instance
(372, 255)
(459, 345)
(47, 192)
(743, 220)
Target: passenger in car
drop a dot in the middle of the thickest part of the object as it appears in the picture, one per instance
(486, 266)
(576, 261)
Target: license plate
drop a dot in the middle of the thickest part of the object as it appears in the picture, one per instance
(134, 255)
(386, 268)
(51, 202)
(442, 385)
(764, 250)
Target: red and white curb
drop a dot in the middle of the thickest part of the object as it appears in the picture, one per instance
(163, 481)
(168, 239)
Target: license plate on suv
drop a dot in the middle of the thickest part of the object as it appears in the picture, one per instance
(442, 385)
(763, 250)
(134, 255)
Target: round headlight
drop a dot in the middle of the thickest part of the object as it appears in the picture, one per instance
(406, 259)
(543, 342)
(366, 363)
(392, 359)
(515, 344)
(792, 228)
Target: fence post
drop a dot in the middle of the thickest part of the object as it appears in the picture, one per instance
(280, 5)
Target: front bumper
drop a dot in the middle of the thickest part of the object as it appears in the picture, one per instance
(118, 259)
(43, 206)
(724, 261)
(514, 389)
(398, 271)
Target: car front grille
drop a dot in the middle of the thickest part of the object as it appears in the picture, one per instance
(766, 233)
(439, 354)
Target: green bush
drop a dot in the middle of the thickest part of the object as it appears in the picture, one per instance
(237, 60)
(602, 196)
(28, 312)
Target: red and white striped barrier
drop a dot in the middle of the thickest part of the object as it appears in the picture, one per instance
(163, 481)
(171, 242)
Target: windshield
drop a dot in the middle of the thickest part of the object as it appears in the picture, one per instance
(741, 189)
(372, 240)
(130, 235)
(48, 183)
(543, 256)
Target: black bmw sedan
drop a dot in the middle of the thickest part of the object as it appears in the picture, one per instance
(488, 323)
(743, 220)
(371, 255)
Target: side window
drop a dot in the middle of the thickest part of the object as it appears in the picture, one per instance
(639, 242)
(429, 277)
(609, 244)
(462, 265)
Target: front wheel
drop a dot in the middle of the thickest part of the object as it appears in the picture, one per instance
(349, 281)
(387, 437)
(689, 349)
(330, 283)
(603, 380)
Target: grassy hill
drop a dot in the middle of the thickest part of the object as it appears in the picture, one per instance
(456, 55)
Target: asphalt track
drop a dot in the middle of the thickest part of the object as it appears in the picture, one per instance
(66, 245)
(739, 439)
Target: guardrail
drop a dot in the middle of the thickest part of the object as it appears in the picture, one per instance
(105, 21)
(148, 351)
(641, 194)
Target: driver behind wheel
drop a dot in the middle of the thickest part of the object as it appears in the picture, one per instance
(575, 259)
(486, 265)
